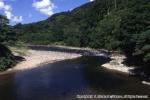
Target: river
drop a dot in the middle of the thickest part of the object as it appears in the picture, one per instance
(63, 80)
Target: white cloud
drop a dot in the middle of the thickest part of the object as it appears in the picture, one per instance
(7, 8)
(1, 4)
(17, 19)
(44, 6)
(91, 0)
(8, 12)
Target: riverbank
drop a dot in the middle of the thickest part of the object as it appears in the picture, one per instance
(35, 58)
(79, 50)
(116, 64)
(36, 55)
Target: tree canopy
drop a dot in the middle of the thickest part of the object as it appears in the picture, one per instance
(7, 36)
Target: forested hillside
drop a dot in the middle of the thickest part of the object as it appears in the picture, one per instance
(7, 36)
(122, 25)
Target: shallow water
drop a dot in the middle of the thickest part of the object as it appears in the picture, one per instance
(64, 80)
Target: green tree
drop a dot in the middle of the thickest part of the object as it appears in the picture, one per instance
(7, 35)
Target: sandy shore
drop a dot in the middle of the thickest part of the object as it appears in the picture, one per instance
(116, 64)
(34, 58)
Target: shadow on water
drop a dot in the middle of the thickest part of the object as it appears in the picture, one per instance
(99, 78)
(112, 82)
(7, 87)
(63, 80)
(141, 69)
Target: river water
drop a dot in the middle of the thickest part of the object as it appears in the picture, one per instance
(64, 80)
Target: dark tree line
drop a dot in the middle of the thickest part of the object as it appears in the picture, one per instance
(7, 36)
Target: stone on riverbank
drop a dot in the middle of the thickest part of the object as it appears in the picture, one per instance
(117, 65)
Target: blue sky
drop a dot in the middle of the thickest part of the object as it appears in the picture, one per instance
(27, 11)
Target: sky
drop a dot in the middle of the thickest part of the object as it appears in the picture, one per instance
(28, 11)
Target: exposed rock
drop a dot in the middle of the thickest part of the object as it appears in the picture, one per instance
(145, 82)
(116, 64)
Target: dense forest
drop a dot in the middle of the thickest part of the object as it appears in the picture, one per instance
(7, 36)
(122, 25)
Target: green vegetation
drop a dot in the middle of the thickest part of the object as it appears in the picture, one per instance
(6, 58)
(111, 24)
(7, 36)
(19, 48)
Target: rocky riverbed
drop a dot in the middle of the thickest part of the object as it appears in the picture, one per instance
(116, 64)
(35, 58)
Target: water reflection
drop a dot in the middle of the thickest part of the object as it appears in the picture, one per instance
(110, 82)
(7, 87)
(64, 79)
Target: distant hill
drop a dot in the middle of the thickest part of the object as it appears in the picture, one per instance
(80, 20)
